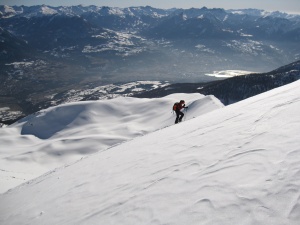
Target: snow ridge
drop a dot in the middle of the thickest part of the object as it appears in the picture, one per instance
(236, 165)
(68, 132)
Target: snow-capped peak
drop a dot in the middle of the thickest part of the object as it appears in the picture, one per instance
(8, 9)
(45, 10)
(116, 11)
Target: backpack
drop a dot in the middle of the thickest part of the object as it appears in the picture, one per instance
(175, 106)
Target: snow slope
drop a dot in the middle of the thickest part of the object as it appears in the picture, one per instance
(236, 165)
(66, 133)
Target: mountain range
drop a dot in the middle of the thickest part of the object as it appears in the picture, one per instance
(46, 52)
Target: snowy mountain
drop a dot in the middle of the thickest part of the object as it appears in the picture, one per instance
(264, 13)
(79, 10)
(47, 53)
(235, 165)
(48, 139)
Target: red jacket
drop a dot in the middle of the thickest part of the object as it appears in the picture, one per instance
(180, 106)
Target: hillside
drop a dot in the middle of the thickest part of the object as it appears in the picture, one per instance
(236, 165)
(60, 135)
(234, 89)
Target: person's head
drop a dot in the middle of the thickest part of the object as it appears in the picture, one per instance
(182, 101)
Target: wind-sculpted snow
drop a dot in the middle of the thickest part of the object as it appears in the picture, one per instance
(65, 133)
(235, 165)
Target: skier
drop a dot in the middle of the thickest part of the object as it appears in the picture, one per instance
(177, 108)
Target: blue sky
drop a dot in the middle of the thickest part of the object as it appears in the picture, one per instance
(291, 6)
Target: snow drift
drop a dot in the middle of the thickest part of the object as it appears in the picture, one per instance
(236, 165)
(66, 133)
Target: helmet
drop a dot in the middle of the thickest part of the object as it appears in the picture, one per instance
(182, 101)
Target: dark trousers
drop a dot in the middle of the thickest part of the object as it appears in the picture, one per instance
(179, 116)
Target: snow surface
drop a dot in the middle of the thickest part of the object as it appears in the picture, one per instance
(235, 165)
(66, 133)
